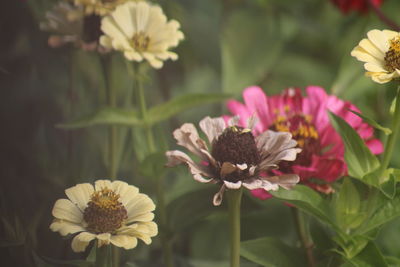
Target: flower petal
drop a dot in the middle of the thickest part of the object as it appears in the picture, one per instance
(65, 227)
(80, 195)
(81, 241)
(217, 199)
(212, 127)
(64, 209)
(124, 241)
(198, 171)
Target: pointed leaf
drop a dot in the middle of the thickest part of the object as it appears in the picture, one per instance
(270, 252)
(360, 161)
(370, 256)
(306, 199)
(105, 116)
(180, 104)
(373, 123)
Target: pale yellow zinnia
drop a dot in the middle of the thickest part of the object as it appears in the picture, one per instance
(99, 7)
(111, 212)
(141, 31)
(381, 54)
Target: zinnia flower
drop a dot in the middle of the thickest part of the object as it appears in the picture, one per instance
(140, 30)
(321, 161)
(236, 158)
(357, 5)
(99, 7)
(111, 212)
(69, 24)
(381, 54)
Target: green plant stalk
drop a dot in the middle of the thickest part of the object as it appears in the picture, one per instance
(165, 243)
(102, 255)
(112, 141)
(234, 199)
(389, 147)
(303, 235)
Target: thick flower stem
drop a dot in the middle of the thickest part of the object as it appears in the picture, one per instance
(234, 200)
(165, 243)
(391, 143)
(303, 235)
(103, 257)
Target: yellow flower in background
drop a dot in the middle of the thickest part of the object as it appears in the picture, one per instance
(141, 31)
(99, 7)
(111, 212)
(381, 54)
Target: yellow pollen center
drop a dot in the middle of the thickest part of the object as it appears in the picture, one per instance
(392, 56)
(104, 213)
(140, 41)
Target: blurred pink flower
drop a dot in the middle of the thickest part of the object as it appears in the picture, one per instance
(321, 161)
(357, 5)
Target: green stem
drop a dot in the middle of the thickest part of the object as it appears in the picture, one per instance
(303, 234)
(161, 207)
(115, 255)
(389, 147)
(112, 131)
(234, 198)
(102, 256)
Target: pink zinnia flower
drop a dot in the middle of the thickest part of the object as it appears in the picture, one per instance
(357, 5)
(321, 161)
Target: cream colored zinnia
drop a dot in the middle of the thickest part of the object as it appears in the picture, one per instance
(99, 7)
(111, 212)
(141, 31)
(381, 54)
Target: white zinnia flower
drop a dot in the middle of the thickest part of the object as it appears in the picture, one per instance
(236, 158)
(381, 54)
(141, 31)
(111, 212)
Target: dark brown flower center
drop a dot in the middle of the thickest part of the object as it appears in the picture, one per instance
(91, 28)
(236, 145)
(304, 132)
(104, 213)
(392, 56)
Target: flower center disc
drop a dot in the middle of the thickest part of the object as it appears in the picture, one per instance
(392, 56)
(104, 213)
(237, 146)
(140, 41)
(304, 132)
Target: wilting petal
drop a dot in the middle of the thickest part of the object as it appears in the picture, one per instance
(198, 171)
(286, 181)
(212, 127)
(217, 199)
(233, 185)
(188, 137)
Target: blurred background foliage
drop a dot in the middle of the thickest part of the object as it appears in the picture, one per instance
(229, 45)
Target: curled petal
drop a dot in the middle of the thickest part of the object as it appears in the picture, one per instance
(286, 181)
(212, 127)
(188, 137)
(198, 171)
(217, 199)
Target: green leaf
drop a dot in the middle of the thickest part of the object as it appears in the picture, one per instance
(385, 213)
(180, 104)
(370, 256)
(351, 245)
(393, 106)
(306, 199)
(270, 252)
(190, 208)
(360, 161)
(105, 116)
(348, 204)
(373, 123)
(153, 165)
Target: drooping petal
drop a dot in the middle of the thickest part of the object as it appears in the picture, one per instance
(81, 241)
(217, 199)
(124, 241)
(198, 171)
(188, 137)
(65, 227)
